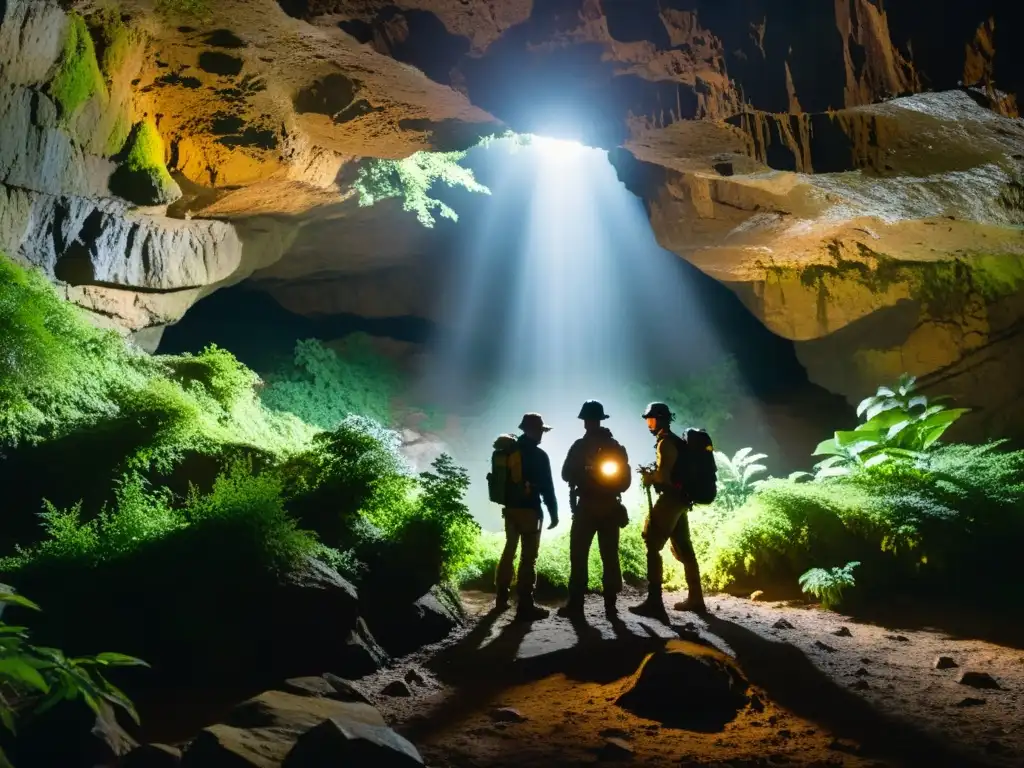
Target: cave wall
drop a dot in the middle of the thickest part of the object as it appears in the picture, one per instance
(851, 169)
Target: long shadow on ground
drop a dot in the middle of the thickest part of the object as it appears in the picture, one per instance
(792, 680)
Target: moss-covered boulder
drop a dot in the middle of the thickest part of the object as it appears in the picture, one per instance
(142, 176)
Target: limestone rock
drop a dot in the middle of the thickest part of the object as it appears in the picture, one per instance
(340, 741)
(31, 40)
(328, 686)
(979, 680)
(945, 662)
(687, 685)
(262, 731)
(403, 629)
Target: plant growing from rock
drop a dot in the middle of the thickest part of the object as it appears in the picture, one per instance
(78, 76)
(736, 475)
(898, 424)
(34, 679)
(411, 180)
(828, 584)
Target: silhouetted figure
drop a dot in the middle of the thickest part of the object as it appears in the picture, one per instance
(529, 482)
(597, 471)
(668, 518)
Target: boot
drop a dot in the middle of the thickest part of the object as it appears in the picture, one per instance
(611, 608)
(693, 605)
(501, 600)
(572, 609)
(653, 607)
(529, 611)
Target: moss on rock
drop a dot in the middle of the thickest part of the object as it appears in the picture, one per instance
(142, 177)
(78, 76)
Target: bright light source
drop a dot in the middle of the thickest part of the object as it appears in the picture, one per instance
(557, 148)
(610, 468)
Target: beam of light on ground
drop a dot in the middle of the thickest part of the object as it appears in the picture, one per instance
(578, 302)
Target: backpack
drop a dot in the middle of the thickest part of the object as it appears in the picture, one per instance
(696, 471)
(611, 450)
(505, 484)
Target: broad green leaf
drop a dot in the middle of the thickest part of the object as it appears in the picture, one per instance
(931, 434)
(946, 417)
(13, 599)
(7, 629)
(863, 449)
(874, 461)
(845, 439)
(4, 762)
(866, 403)
(906, 385)
(882, 421)
(880, 407)
(831, 461)
(7, 717)
(896, 429)
(119, 660)
(795, 477)
(756, 457)
(738, 457)
(885, 392)
(752, 469)
(827, 448)
(21, 671)
(918, 401)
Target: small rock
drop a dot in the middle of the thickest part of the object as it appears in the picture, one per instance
(843, 632)
(508, 715)
(395, 688)
(414, 678)
(898, 638)
(979, 680)
(946, 662)
(782, 624)
(970, 701)
(862, 672)
(822, 646)
(861, 685)
(341, 741)
(615, 733)
(757, 594)
(152, 756)
(845, 745)
(616, 749)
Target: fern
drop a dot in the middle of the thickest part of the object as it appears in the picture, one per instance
(736, 481)
(828, 584)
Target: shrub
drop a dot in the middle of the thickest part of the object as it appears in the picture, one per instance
(442, 508)
(323, 387)
(411, 179)
(34, 679)
(736, 476)
(703, 399)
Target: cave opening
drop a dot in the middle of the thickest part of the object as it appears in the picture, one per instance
(548, 291)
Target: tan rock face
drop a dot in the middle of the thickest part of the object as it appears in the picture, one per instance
(881, 234)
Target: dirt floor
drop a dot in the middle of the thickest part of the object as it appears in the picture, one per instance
(827, 691)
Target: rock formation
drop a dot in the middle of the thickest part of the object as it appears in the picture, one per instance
(852, 170)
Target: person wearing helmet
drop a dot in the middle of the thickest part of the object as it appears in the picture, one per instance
(524, 520)
(668, 518)
(597, 471)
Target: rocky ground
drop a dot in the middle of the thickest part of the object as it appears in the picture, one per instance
(825, 690)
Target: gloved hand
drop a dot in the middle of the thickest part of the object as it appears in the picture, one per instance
(554, 520)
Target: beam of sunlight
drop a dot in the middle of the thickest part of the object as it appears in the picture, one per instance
(571, 297)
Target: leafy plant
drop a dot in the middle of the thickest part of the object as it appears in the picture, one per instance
(736, 476)
(33, 679)
(829, 584)
(898, 424)
(412, 178)
(444, 507)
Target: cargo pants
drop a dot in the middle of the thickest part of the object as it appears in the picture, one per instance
(522, 526)
(669, 521)
(601, 519)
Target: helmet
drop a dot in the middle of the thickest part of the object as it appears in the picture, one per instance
(592, 411)
(658, 411)
(534, 420)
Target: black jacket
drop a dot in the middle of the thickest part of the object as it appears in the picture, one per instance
(537, 473)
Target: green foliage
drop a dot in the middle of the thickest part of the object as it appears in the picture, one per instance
(119, 134)
(736, 476)
(324, 386)
(412, 178)
(828, 584)
(34, 679)
(115, 40)
(443, 510)
(899, 424)
(78, 76)
(60, 377)
(142, 176)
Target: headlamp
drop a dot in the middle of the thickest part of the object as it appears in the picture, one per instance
(609, 468)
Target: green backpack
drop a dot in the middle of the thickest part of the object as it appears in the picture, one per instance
(505, 485)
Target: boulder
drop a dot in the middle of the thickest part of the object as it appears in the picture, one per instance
(326, 686)
(403, 629)
(687, 685)
(341, 741)
(979, 680)
(261, 732)
(69, 735)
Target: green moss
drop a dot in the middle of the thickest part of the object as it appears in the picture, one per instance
(118, 134)
(115, 40)
(197, 8)
(78, 76)
(142, 177)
